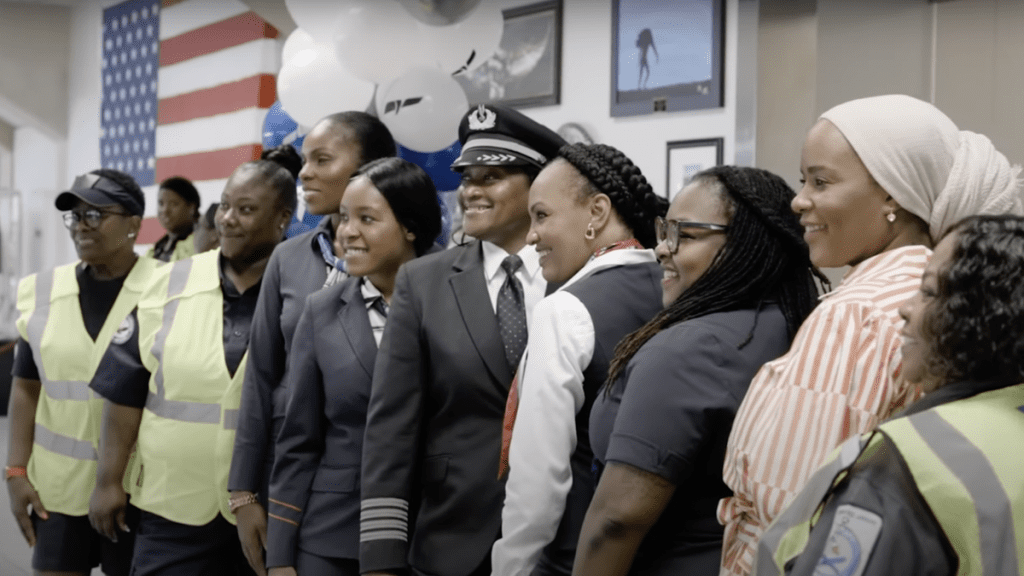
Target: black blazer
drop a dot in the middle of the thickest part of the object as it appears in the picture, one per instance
(295, 270)
(314, 486)
(433, 431)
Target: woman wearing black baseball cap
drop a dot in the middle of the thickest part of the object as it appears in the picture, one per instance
(68, 316)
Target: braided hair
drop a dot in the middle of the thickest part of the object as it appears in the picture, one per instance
(610, 172)
(764, 259)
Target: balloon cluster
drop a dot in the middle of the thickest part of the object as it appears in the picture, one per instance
(396, 57)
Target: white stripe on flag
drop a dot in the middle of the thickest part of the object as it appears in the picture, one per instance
(191, 14)
(211, 133)
(228, 65)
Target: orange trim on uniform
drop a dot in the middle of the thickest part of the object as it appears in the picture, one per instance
(286, 505)
(276, 517)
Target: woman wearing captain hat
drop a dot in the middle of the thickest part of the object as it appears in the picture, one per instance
(456, 330)
(68, 316)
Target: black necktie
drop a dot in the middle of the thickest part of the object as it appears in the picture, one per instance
(512, 312)
(380, 306)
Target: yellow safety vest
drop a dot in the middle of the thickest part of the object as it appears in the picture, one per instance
(965, 460)
(62, 467)
(188, 425)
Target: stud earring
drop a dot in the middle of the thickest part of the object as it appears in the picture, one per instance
(590, 233)
(131, 234)
(891, 217)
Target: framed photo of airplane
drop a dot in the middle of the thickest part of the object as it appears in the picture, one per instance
(666, 55)
(526, 69)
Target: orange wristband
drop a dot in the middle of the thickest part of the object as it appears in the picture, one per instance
(12, 471)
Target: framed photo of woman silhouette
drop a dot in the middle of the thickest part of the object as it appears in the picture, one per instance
(667, 55)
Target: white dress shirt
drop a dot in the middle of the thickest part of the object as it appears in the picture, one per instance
(529, 274)
(560, 348)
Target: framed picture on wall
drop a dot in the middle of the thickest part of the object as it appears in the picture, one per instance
(686, 158)
(526, 69)
(666, 55)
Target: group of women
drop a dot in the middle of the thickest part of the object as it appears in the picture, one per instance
(599, 382)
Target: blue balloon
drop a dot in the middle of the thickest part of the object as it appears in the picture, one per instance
(437, 165)
(279, 128)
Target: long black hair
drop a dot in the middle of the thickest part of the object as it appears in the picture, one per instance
(764, 259)
(608, 171)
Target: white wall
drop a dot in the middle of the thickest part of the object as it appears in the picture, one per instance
(586, 77)
(39, 175)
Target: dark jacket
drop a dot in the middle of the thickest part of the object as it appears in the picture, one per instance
(314, 487)
(433, 432)
(295, 270)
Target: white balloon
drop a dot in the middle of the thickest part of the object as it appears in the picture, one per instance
(440, 12)
(423, 108)
(313, 84)
(297, 41)
(317, 17)
(379, 41)
(479, 36)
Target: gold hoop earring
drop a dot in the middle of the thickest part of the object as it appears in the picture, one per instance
(590, 234)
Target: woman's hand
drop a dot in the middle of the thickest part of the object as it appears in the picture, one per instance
(106, 509)
(22, 495)
(283, 571)
(251, 521)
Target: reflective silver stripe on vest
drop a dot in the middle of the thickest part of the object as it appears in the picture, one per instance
(65, 445)
(803, 507)
(995, 514)
(55, 389)
(158, 403)
(230, 419)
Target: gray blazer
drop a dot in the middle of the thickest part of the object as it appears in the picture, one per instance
(314, 487)
(433, 431)
(295, 270)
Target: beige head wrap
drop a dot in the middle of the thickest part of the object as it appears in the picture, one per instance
(930, 167)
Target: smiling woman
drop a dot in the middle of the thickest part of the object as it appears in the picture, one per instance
(389, 215)
(179, 371)
(935, 490)
(68, 317)
(299, 266)
(883, 178)
(592, 216)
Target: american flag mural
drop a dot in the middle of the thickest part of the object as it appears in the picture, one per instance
(186, 86)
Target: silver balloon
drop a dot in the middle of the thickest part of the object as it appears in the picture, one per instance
(440, 12)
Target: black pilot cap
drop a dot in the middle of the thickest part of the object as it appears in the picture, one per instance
(499, 136)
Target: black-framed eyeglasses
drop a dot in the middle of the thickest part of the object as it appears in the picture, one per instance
(670, 231)
(92, 217)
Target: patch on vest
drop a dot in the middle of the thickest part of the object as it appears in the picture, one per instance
(124, 331)
(850, 542)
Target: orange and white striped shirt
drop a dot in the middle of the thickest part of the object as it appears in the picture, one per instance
(840, 377)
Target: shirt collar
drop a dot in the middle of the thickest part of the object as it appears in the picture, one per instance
(885, 266)
(324, 227)
(494, 255)
(227, 286)
(369, 291)
(611, 260)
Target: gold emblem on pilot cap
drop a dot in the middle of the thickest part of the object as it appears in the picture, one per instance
(483, 119)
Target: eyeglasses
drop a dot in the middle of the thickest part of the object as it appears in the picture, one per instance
(670, 231)
(92, 217)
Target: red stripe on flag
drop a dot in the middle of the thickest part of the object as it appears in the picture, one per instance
(210, 165)
(254, 92)
(169, 3)
(151, 231)
(213, 37)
